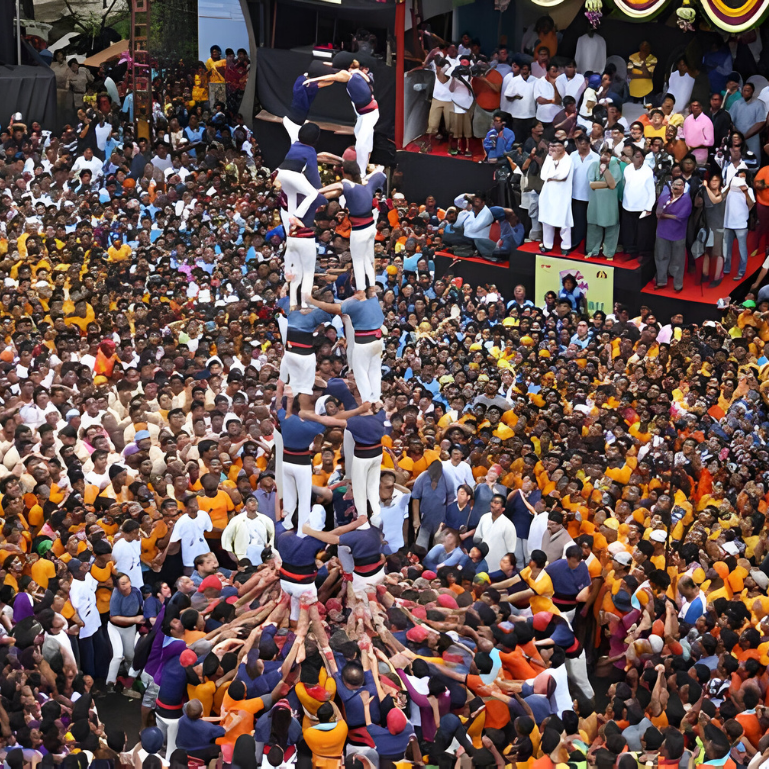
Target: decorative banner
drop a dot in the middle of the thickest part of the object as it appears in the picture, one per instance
(639, 9)
(733, 16)
(729, 15)
(596, 281)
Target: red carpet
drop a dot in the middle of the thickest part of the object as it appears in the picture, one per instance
(621, 261)
(441, 149)
(693, 292)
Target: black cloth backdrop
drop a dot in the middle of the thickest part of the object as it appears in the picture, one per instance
(29, 90)
(7, 32)
(276, 71)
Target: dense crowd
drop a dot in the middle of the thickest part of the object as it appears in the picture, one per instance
(309, 502)
(590, 149)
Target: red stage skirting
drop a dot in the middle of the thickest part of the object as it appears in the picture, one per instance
(441, 149)
(694, 292)
(620, 261)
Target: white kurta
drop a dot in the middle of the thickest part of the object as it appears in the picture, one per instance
(555, 198)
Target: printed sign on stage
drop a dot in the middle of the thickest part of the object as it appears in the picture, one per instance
(596, 281)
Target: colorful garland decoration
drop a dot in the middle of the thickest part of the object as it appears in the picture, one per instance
(593, 12)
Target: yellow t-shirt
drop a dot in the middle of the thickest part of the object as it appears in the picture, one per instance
(641, 86)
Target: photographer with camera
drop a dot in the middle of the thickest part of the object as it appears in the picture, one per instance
(463, 101)
(441, 105)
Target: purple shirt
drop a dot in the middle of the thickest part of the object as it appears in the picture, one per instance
(673, 229)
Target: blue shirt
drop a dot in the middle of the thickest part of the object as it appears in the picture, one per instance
(439, 557)
(695, 611)
(303, 159)
(307, 321)
(365, 315)
(152, 607)
(520, 515)
(298, 434)
(365, 544)
(263, 684)
(301, 100)
(566, 581)
(503, 144)
(456, 518)
(338, 389)
(297, 551)
(368, 430)
(197, 734)
(359, 197)
(432, 501)
(392, 746)
(353, 706)
(264, 728)
(125, 605)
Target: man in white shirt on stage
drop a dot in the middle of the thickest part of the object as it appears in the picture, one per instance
(519, 98)
(555, 198)
(473, 224)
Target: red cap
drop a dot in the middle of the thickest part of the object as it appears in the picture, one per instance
(417, 634)
(210, 582)
(429, 574)
(420, 612)
(542, 619)
(396, 721)
(187, 658)
(333, 604)
(447, 601)
(350, 154)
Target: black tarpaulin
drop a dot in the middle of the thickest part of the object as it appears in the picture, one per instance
(29, 90)
(277, 70)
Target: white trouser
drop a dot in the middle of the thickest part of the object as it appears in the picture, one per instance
(292, 129)
(362, 253)
(300, 260)
(297, 491)
(569, 616)
(294, 184)
(364, 138)
(360, 583)
(123, 640)
(348, 445)
(169, 727)
(300, 370)
(278, 438)
(548, 236)
(577, 670)
(296, 592)
(366, 362)
(365, 483)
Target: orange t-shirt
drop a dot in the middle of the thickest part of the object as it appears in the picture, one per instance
(762, 196)
(217, 507)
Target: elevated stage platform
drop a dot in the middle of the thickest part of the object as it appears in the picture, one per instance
(633, 280)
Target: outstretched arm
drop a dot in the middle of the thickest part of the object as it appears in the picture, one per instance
(331, 309)
(332, 537)
(337, 77)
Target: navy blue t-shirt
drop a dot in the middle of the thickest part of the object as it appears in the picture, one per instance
(296, 550)
(303, 159)
(301, 100)
(308, 321)
(390, 745)
(364, 543)
(339, 389)
(365, 315)
(297, 433)
(359, 198)
(368, 430)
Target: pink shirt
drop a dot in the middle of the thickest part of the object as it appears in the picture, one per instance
(698, 132)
